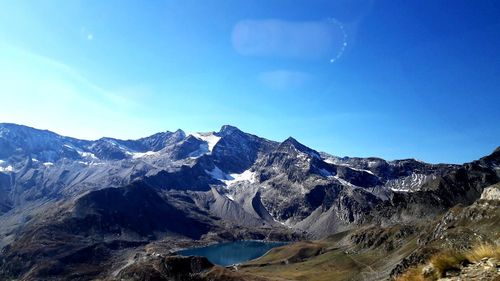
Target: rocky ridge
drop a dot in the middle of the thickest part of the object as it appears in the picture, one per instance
(66, 200)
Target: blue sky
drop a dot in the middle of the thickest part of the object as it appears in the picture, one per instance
(394, 79)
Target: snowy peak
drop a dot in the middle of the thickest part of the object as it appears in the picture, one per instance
(232, 150)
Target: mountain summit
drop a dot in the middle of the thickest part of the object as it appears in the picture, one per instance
(66, 203)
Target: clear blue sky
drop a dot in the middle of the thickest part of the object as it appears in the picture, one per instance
(393, 79)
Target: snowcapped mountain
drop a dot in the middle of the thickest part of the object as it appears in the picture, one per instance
(200, 186)
(42, 166)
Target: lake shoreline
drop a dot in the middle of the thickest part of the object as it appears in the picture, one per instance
(232, 252)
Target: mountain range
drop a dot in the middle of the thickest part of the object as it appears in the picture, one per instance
(74, 209)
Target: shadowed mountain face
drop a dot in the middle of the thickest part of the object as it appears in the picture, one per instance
(64, 201)
(98, 223)
(137, 209)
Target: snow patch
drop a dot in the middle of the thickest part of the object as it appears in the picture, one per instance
(335, 162)
(48, 164)
(7, 169)
(344, 182)
(136, 155)
(230, 179)
(87, 154)
(202, 150)
(247, 175)
(218, 174)
(210, 138)
(399, 190)
(410, 183)
(362, 170)
(356, 169)
(329, 160)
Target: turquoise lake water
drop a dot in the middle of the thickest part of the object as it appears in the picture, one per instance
(225, 254)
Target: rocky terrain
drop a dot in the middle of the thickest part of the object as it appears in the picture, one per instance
(486, 269)
(455, 244)
(116, 209)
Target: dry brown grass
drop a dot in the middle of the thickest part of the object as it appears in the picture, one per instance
(482, 251)
(448, 260)
(440, 263)
(413, 274)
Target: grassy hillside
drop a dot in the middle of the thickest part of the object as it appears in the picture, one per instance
(335, 258)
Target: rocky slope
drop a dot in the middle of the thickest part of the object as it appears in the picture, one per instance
(64, 201)
(486, 269)
(400, 251)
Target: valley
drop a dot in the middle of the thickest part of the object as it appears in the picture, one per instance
(115, 209)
